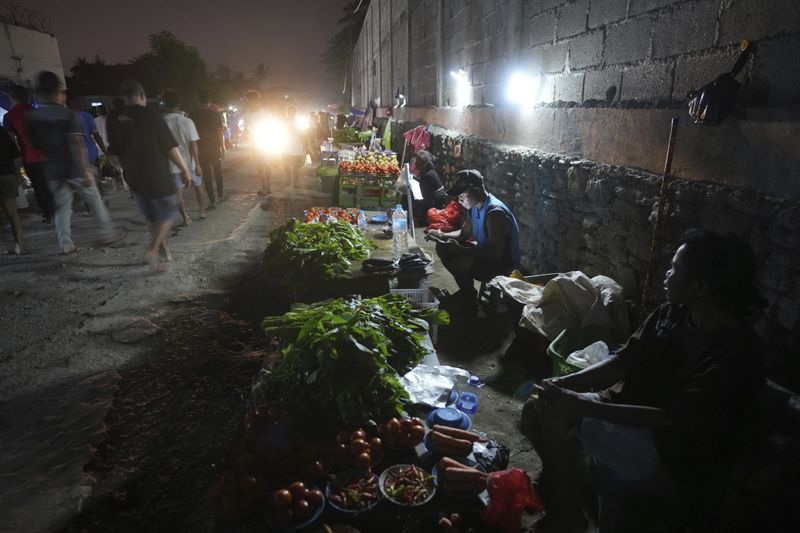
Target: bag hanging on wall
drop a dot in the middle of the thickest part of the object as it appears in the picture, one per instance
(711, 104)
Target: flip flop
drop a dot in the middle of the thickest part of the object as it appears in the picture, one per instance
(69, 251)
(116, 236)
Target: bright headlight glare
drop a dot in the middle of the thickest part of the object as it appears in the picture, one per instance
(269, 136)
(302, 123)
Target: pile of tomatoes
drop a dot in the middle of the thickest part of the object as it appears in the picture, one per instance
(323, 214)
(356, 449)
(402, 432)
(295, 503)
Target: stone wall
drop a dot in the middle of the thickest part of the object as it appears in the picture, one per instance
(580, 215)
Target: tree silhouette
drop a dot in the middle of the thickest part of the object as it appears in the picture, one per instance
(261, 73)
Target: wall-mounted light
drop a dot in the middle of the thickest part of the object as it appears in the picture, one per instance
(523, 89)
(463, 90)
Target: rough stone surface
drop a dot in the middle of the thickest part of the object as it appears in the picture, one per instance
(541, 29)
(628, 41)
(569, 88)
(602, 12)
(745, 19)
(586, 50)
(599, 85)
(686, 29)
(647, 82)
(572, 19)
(694, 72)
(641, 6)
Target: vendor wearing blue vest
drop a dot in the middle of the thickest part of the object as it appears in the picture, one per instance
(487, 245)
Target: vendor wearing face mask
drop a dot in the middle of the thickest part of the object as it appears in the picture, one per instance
(487, 245)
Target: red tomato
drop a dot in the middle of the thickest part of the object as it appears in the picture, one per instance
(359, 446)
(302, 509)
(281, 498)
(298, 490)
(417, 433)
(359, 434)
(363, 460)
(315, 498)
(393, 427)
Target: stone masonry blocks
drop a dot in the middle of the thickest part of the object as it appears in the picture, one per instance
(686, 29)
(531, 8)
(647, 82)
(694, 72)
(586, 50)
(746, 19)
(628, 41)
(569, 88)
(602, 12)
(777, 70)
(541, 29)
(572, 19)
(641, 6)
(549, 58)
(598, 83)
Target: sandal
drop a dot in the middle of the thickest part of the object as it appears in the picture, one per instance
(69, 250)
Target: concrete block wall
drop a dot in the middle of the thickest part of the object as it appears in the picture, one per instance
(655, 51)
(636, 52)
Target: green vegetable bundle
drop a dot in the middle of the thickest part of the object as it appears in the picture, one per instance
(345, 356)
(345, 136)
(299, 252)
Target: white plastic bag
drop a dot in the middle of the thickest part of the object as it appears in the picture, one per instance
(592, 354)
(22, 198)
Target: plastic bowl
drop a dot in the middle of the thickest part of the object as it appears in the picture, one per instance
(448, 416)
(393, 470)
(349, 477)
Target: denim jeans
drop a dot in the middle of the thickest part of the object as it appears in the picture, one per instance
(62, 197)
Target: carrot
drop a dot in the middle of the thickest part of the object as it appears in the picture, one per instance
(446, 462)
(445, 444)
(459, 433)
(465, 475)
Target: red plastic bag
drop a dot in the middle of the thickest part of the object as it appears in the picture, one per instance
(450, 215)
(510, 493)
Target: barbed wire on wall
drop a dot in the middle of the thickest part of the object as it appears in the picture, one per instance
(11, 13)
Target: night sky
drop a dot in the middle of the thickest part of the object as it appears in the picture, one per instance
(288, 36)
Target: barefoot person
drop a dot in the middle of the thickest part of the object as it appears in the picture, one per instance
(145, 146)
(55, 131)
(657, 417)
(9, 189)
(185, 133)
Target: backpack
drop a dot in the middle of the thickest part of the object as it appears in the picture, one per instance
(712, 103)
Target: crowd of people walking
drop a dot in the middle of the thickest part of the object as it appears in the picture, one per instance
(64, 149)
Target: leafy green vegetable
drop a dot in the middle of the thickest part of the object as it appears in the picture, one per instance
(344, 357)
(345, 136)
(299, 252)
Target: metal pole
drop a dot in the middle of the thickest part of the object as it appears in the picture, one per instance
(662, 200)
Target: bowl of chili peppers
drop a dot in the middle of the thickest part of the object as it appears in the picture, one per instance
(407, 485)
(353, 492)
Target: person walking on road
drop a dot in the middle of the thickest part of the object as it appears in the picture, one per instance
(9, 189)
(145, 145)
(211, 128)
(32, 159)
(100, 122)
(185, 133)
(55, 131)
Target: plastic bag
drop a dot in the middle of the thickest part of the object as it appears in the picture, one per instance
(712, 103)
(21, 200)
(510, 493)
(492, 455)
(592, 354)
(449, 216)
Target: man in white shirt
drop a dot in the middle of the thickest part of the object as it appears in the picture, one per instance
(185, 133)
(100, 122)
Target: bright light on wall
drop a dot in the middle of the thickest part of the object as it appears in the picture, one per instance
(463, 90)
(523, 89)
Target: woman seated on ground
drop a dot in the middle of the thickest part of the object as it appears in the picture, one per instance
(680, 384)
(433, 193)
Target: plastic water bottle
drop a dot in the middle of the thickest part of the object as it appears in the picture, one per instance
(469, 396)
(399, 232)
(362, 221)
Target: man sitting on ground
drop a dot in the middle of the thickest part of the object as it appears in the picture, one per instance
(487, 245)
(677, 389)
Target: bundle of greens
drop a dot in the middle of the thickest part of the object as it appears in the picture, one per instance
(299, 252)
(346, 136)
(344, 357)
